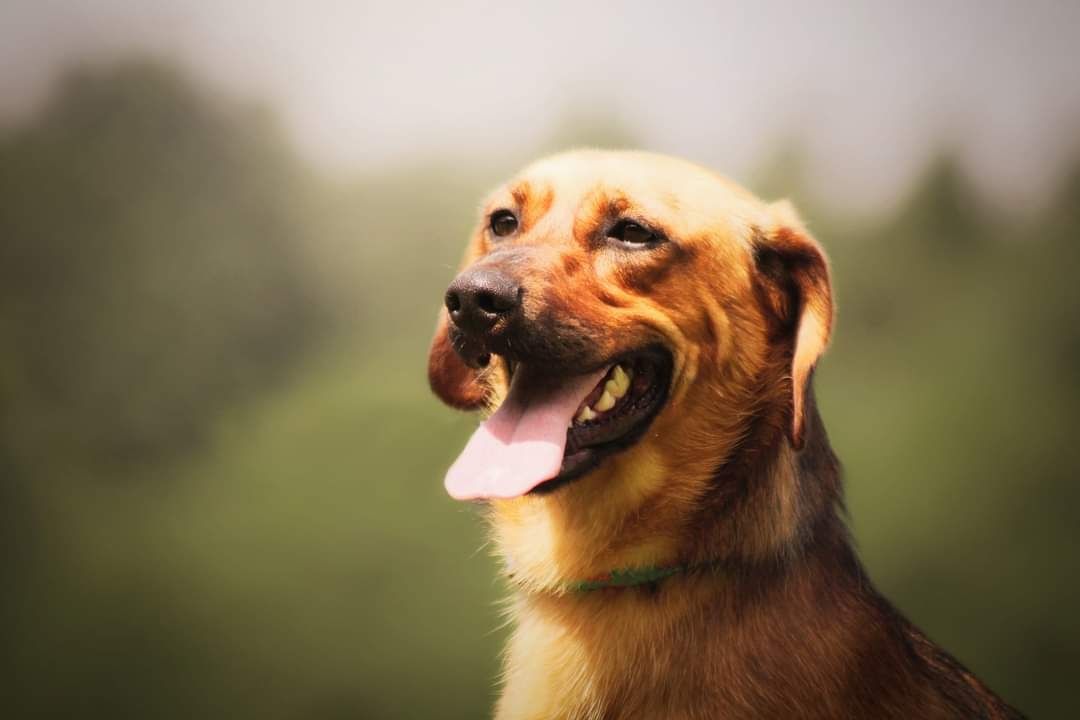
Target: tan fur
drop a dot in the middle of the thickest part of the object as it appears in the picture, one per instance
(783, 623)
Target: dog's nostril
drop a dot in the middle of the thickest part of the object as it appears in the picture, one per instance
(494, 303)
(453, 302)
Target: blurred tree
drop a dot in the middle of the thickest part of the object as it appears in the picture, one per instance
(943, 211)
(152, 265)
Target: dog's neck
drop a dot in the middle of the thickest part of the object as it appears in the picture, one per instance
(764, 506)
(759, 590)
(770, 502)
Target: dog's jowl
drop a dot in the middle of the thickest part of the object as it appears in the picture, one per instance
(642, 335)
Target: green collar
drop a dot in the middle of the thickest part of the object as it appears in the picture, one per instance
(628, 577)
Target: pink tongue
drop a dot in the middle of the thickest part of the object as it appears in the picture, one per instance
(522, 444)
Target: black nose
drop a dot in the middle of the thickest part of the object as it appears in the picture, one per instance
(480, 297)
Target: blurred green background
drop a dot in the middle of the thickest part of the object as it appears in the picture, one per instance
(220, 466)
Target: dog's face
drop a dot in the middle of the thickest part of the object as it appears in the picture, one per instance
(629, 315)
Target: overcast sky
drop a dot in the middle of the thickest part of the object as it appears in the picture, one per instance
(871, 85)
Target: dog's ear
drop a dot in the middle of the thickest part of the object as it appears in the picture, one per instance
(795, 287)
(454, 382)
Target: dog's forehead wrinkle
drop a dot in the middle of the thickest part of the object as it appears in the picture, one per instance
(520, 192)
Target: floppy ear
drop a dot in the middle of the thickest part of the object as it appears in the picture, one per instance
(454, 382)
(798, 294)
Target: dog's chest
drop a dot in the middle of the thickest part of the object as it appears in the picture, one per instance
(662, 656)
(593, 668)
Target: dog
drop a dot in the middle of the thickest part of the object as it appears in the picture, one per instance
(657, 477)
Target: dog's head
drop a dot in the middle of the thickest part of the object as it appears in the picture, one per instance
(629, 317)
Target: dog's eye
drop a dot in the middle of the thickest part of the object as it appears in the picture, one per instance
(503, 223)
(631, 233)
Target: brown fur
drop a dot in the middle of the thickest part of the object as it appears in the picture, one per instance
(735, 476)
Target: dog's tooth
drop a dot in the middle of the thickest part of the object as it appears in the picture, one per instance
(605, 403)
(618, 384)
(585, 414)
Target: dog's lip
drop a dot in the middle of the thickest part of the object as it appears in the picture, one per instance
(654, 352)
(588, 445)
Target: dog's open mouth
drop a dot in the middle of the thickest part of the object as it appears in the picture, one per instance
(614, 414)
(552, 428)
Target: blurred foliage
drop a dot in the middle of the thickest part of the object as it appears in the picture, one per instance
(220, 466)
(151, 265)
